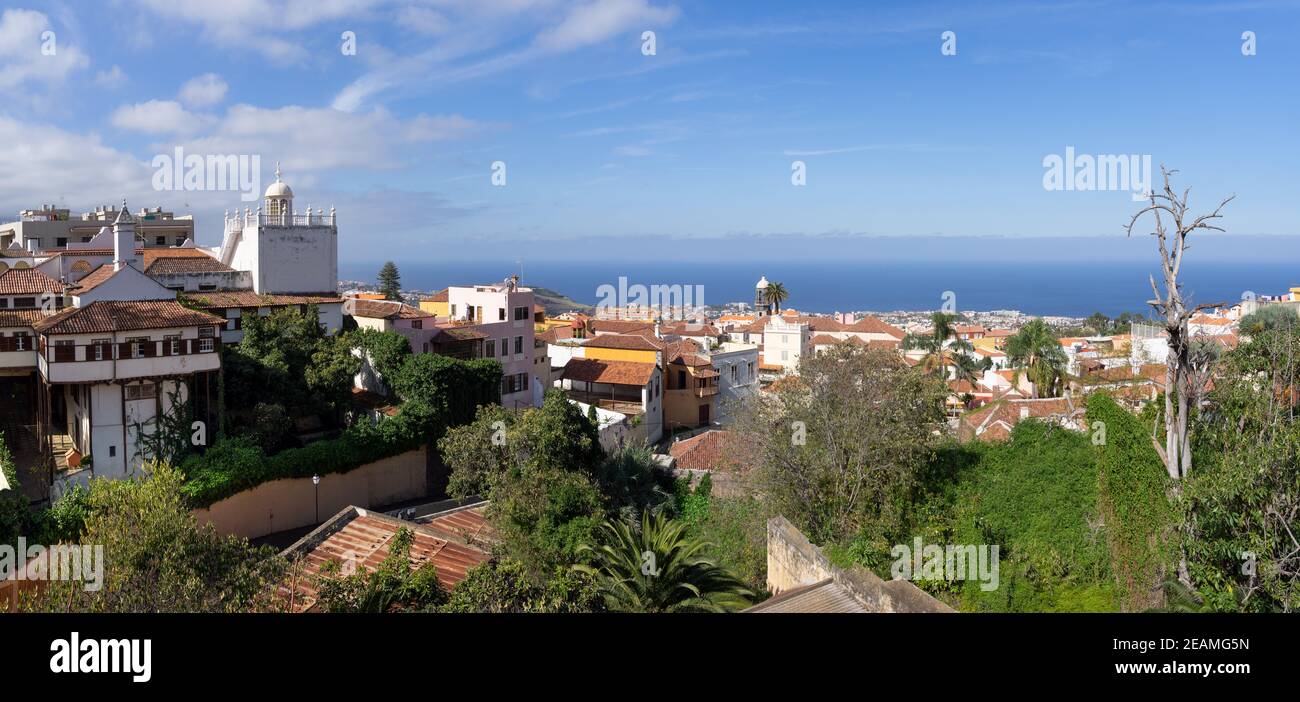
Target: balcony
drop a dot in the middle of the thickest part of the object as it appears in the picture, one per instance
(310, 219)
(67, 363)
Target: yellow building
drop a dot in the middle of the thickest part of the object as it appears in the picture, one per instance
(437, 305)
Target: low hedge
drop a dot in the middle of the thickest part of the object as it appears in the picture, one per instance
(237, 464)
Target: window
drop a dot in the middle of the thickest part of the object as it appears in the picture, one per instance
(750, 374)
(491, 349)
(4, 302)
(64, 351)
(501, 314)
(173, 344)
(61, 242)
(24, 302)
(207, 332)
(207, 345)
(519, 344)
(139, 347)
(99, 349)
(21, 343)
(505, 347)
(681, 379)
(160, 241)
(521, 313)
(785, 355)
(207, 287)
(735, 372)
(144, 391)
(513, 383)
(453, 310)
(417, 323)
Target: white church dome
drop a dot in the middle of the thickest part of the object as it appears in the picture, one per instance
(279, 188)
(762, 283)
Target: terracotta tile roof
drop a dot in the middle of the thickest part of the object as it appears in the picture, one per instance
(689, 329)
(676, 351)
(631, 342)
(28, 281)
(440, 296)
(362, 537)
(86, 252)
(226, 299)
(592, 370)
(172, 261)
(121, 315)
(875, 325)
(20, 318)
(890, 345)
(620, 326)
(94, 279)
(470, 524)
(715, 449)
(387, 309)
(999, 332)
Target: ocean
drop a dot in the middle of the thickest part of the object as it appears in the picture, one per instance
(1066, 288)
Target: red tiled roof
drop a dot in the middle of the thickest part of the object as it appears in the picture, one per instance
(387, 309)
(20, 318)
(94, 279)
(28, 281)
(362, 538)
(875, 325)
(440, 296)
(124, 315)
(592, 370)
(169, 261)
(226, 299)
(689, 329)
(620, 326)
(713, 450)
(631, 342)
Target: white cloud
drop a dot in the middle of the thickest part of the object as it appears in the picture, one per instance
(21, 57)
(76, 169)
(203, 91)
(158, 117)
(112, 78)
(259, 25)
(319, 139)
(596, 21)
(475, 29)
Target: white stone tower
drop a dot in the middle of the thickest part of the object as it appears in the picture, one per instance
(286, 251)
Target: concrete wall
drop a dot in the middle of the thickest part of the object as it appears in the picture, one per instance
(291, 503)
(793, 561)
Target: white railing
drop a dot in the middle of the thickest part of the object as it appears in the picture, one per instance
(319, 218)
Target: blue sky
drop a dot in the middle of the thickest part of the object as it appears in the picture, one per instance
(619, 149)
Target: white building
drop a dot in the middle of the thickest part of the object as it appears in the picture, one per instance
(785, 343)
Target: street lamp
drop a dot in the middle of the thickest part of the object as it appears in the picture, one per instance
(315, 481)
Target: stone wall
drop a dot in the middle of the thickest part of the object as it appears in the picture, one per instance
(793, 562)
(281, 505)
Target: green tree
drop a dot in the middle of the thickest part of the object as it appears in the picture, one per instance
(939, 344)
(390, 282)
(1098, 323)
(503, 586)
(836, 449)
(1269, 318)
(1036, 352)
(157, 558)
(775, 295)
(539, 468)
(658, 568)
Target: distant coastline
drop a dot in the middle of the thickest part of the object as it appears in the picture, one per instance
(1049, 288)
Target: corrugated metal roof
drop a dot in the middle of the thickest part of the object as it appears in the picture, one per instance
(825, 597)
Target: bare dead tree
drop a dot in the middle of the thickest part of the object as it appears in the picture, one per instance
(1172, 240)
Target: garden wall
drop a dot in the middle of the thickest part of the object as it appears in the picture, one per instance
(291, 503)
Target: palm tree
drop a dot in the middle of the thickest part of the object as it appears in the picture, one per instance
(1035, 351)
(659, 569)
(936, 344)
(775, 295)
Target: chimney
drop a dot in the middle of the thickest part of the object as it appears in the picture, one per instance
(123, 238)
(658, 335)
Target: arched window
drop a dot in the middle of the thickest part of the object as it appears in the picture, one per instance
(3, 266)
(81, 267)
(21, 265)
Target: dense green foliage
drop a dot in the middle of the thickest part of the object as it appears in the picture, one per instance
(658, 568)
(1134, 504)
(504, 586)
(288, 359)
(239, 463)
(1241, 504)
(158, 559)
